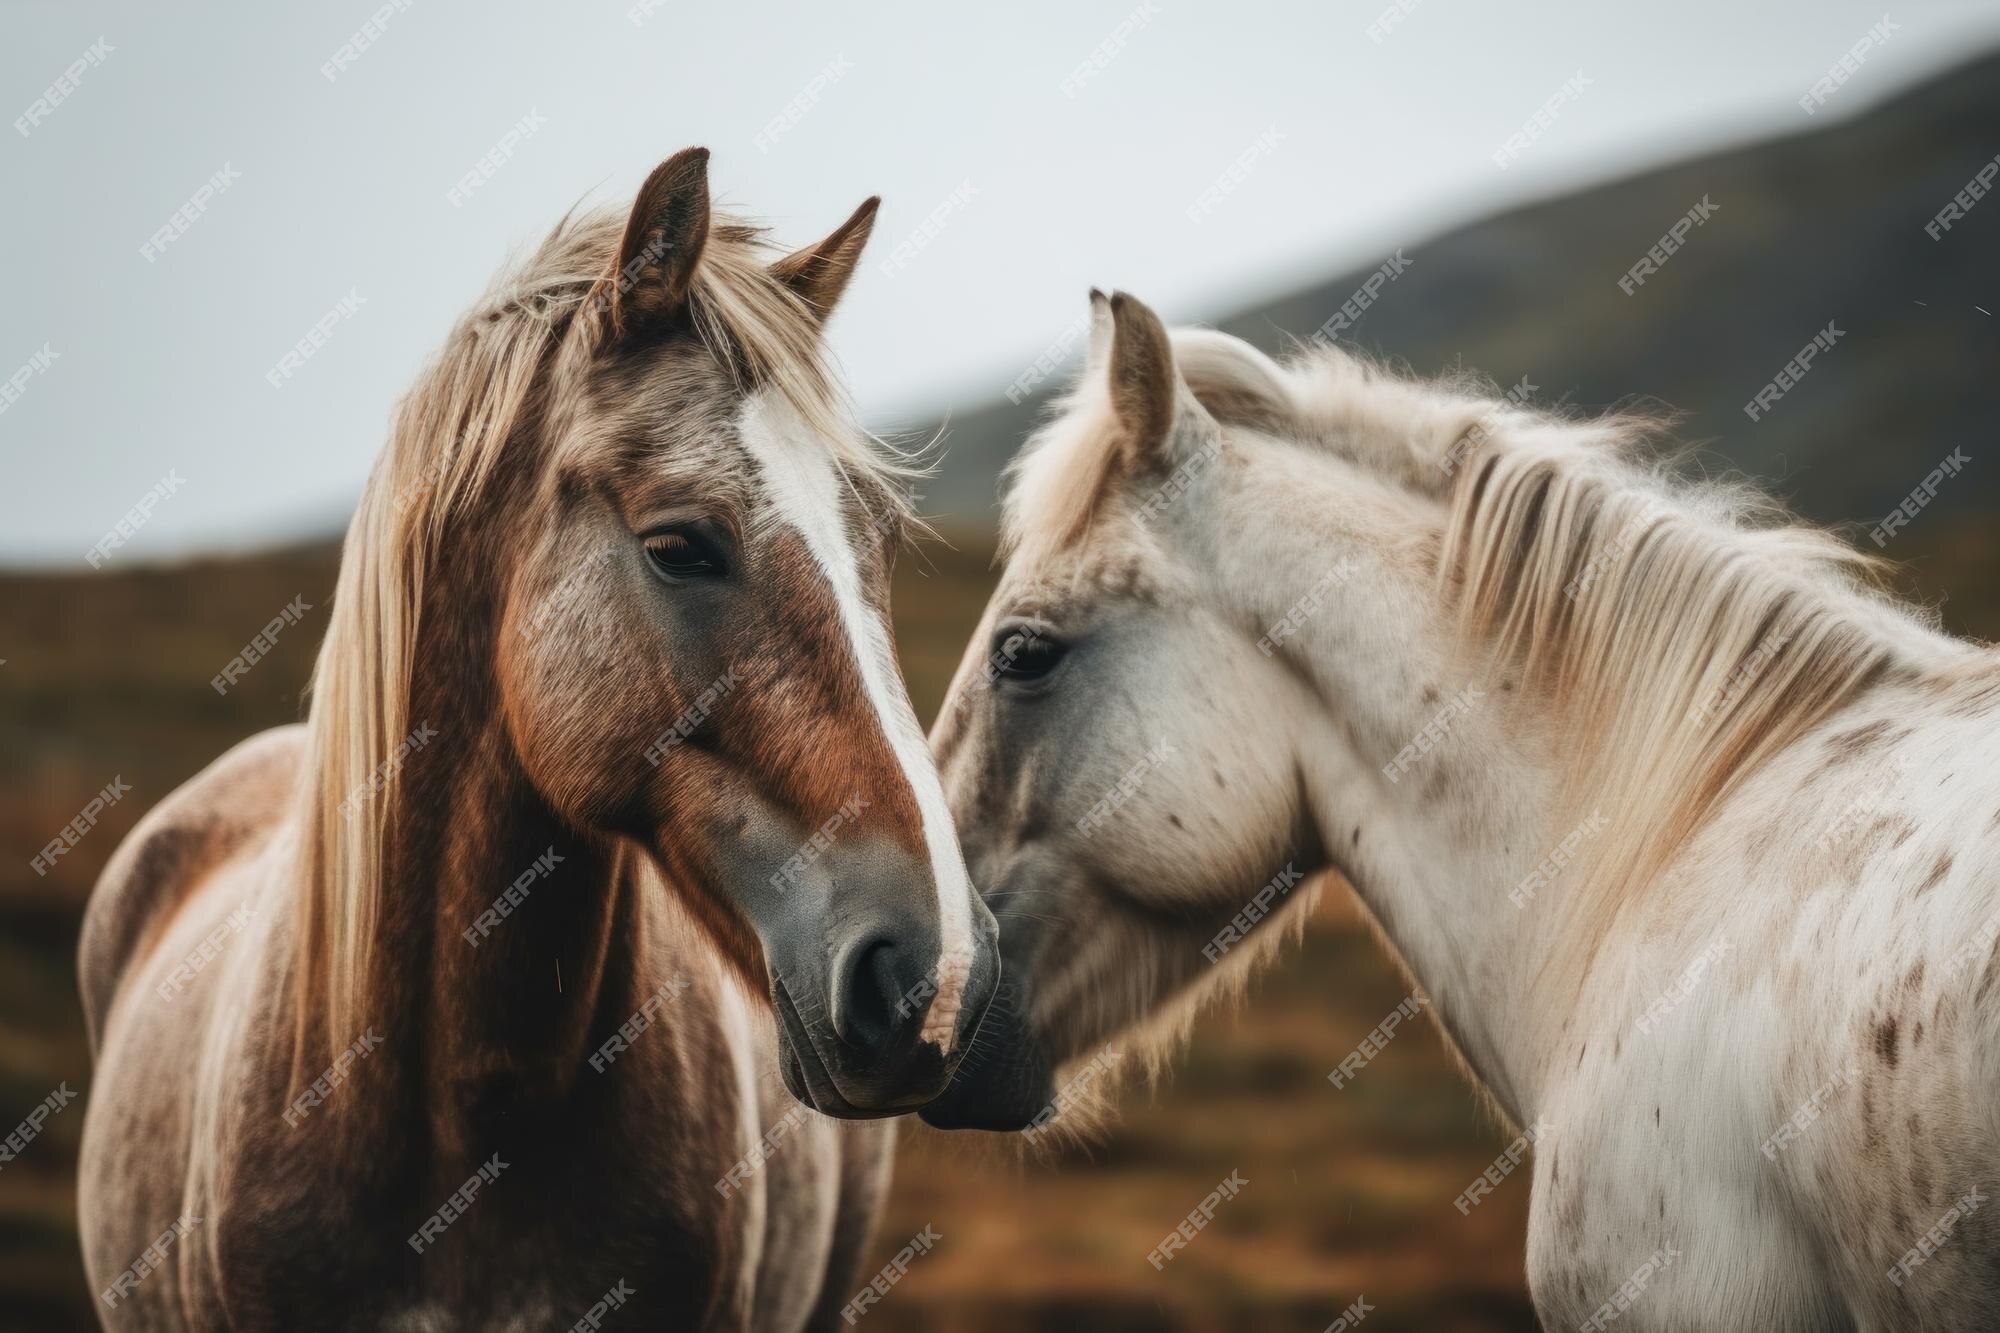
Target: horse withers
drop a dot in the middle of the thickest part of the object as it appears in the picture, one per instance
(465, 1004)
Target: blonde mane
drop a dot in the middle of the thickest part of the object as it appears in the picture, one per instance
(515, 355)
(1680, 631)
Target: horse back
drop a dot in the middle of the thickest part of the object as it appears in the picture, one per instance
(227, 810)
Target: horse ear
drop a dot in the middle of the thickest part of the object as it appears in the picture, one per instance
(663, 241)
(1141, 374)
(1097, 352)
(819, 273)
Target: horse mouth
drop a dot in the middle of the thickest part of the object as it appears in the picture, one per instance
(809, 1078)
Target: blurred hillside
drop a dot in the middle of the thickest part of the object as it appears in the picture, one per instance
(1827, 225)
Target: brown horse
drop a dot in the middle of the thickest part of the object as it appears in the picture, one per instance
(454, 1008)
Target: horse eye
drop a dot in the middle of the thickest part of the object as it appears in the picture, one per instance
(1024, 655)
(685, 553)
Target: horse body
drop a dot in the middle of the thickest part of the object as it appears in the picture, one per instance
(608, 1177)
(1778, 1075)
(1687, 835)
(489, 998)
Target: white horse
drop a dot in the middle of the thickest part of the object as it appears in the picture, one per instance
(1686, 832)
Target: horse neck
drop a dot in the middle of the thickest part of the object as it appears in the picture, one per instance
(1439, 855)
(499, 1020)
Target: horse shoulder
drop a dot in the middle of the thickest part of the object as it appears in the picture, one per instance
(236, 801)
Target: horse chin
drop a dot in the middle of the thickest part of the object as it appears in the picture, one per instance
(1005, 1083)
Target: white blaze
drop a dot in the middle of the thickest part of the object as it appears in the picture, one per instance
(807, 491)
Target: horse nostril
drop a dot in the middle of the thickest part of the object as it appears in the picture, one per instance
(876, 1007)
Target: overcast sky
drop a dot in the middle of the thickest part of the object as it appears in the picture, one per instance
(1090, 145)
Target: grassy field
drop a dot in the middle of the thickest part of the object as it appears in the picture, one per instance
(1349, 1191)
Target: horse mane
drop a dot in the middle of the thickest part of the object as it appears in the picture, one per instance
(1053, 485)
(518, 351)
(1681, 630)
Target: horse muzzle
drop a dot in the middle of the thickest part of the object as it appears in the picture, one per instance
(875, 1009)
